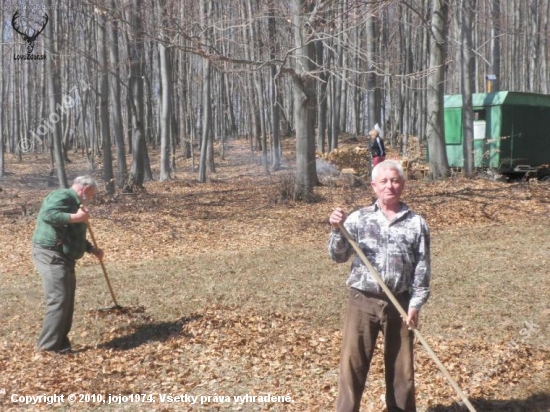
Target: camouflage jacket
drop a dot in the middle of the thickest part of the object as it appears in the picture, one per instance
(399, 250)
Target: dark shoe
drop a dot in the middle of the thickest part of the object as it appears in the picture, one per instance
(66, 351)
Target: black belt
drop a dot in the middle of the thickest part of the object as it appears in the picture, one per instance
(58, 248)
(402, 296)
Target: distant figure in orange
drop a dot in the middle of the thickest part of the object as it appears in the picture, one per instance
(376, 147)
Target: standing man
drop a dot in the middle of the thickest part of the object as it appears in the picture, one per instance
(59, 241)
(397, 243)
(376, 147)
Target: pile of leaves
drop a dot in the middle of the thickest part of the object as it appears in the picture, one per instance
(355, 158)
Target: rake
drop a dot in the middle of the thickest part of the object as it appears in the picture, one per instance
(117, 306)
(404, 315)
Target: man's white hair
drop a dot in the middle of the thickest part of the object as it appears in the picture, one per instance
(85, 180)
(387, 164)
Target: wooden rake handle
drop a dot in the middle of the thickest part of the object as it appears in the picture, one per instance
(404, 315)
(102, 264)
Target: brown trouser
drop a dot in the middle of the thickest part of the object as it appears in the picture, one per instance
(367, 314)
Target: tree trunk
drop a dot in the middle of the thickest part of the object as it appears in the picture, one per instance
(117, 101)
(439, 165)
(322, 98)
(334, 110)
(206, 106)
(467, 78)
(233, 130)
(137, 55)
(17, 114)
(206, 121)
(104, 108)
(545, 87)
(495, 43)
(2, 141)
(275, 116)
(54, 92)
(166, 102)
(422, 59)
(185, 112)
(261, 134)
(304, 103)
(533, 44)
(372, 113)
(356, 94)
(516, 56)
(174, 126)
(259, 83)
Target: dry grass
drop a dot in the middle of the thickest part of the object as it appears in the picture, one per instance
(230, 291)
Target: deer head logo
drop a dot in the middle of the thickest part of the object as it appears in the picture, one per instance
(27, 36)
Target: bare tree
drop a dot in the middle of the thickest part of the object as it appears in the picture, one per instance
(373, 95)
(2, 142)
(166, 99)
(116, 97)
(274, 90)
(439, 165)
(108, 175)
(54, 91)
(545, 28)
(495, 43)
(534, 41)
(466, 14)
(321, 96)
(205, 6)
(304, 103)
(137, 54)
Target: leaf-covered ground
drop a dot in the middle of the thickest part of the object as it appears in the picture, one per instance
(227, 292)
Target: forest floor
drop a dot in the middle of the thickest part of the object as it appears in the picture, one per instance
(228, 291)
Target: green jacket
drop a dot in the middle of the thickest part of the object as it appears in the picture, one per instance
(53, 227)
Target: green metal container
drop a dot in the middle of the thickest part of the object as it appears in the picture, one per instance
(511, 129)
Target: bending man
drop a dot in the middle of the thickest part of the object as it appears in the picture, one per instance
(59, 241)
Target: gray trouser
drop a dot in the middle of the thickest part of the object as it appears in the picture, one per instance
(59, 284)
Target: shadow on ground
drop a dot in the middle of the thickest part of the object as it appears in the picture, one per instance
(539, 402)
(149, 332)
